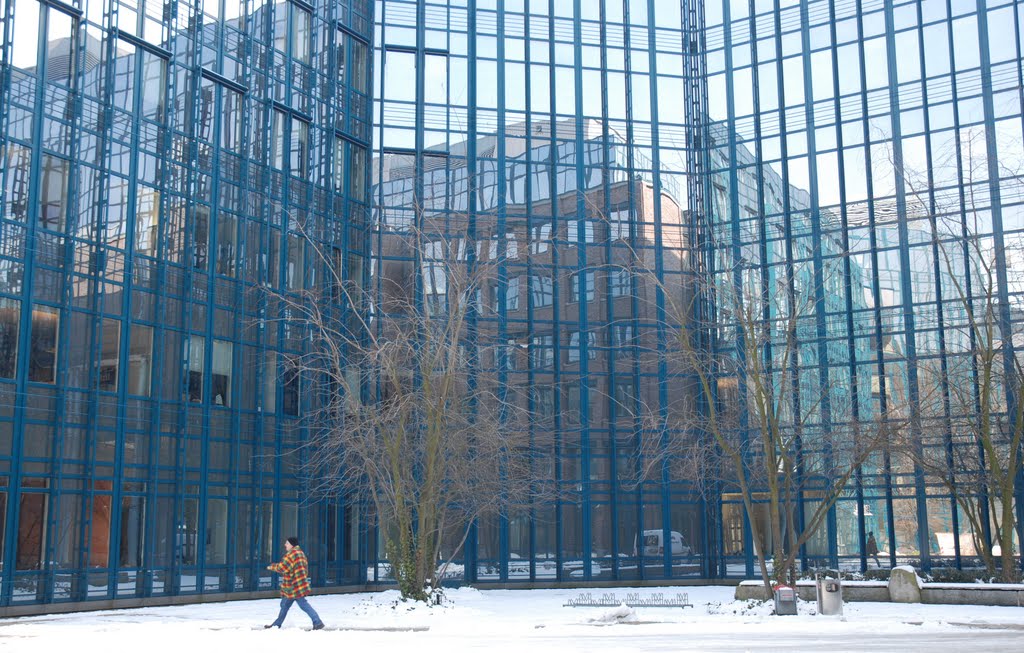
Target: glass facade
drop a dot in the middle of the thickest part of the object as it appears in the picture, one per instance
(631, 164)
(621, 166)
(871, 151)
(159, 162)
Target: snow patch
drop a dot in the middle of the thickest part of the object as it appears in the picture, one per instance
(621, 614)
(756, 608)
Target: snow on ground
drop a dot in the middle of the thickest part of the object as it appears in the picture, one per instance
(519, 620)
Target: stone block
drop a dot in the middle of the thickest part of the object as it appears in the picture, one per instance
(904, 585)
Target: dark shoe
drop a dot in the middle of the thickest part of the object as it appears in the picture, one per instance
(270, 626)
(318, 627)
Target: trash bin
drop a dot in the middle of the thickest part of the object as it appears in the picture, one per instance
(830, 595)
(785, 599)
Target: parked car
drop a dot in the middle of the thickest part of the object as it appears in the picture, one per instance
(654, 544)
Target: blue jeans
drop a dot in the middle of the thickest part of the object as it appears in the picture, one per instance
(304, 605)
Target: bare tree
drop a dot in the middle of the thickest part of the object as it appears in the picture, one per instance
(980, 461)
(750, 416)
(764, 412)
(408, 415)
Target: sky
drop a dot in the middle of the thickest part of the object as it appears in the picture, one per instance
(520, 620)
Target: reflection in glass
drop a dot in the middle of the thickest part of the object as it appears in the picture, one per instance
(299, 143)
(290, 388)
(60, 46)
(24, 49)
(300, 34)
(110, 352)
(357, 191)
(359, 76)
(195, 351)
(147, 221)
(154, 74)
(220, 382)
(227, 235)
(53, 193)
(10, 320)
(340, 170)
(231, 120)
(201, 237)
(140, 359)
(42, 362)
(16, 176)
(277, 140)
(270, 382)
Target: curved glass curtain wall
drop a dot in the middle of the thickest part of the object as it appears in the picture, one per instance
(895, 127)
(159, 161)
(604, 146)
(157, 167)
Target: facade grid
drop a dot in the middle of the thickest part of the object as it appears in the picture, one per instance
(169, 169)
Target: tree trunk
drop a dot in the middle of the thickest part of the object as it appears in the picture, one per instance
(1009, 564)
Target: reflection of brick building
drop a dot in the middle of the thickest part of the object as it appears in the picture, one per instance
(568, 311)
(146, 198)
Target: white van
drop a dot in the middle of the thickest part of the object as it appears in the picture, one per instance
(654, 544)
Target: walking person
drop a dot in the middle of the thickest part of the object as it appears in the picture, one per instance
(871, 548)
(295, 587)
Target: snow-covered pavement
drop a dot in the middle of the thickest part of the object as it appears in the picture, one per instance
(529, 621)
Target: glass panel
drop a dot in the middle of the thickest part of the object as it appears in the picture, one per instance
(541, 291)
(164, 550)
(60, 64)
(147, 221)
(216, 531)
(245, 547)
(31, 526)
(266, 541)
(154, 85)
(220, 388)
(227, 236)
(588, 286)
(186, 537)
(436, 71)
(359, 76)
(300, 35)
(270, 379)
(341, 40)
(53, 193)
(231, 120)
(277, 140)
(290, 390)
(573, 235)
(3, 511)
(400, 76)
(289, 520)
(340, 169)
(357, 191)
(297, 153)
(10, 318)
(110, 352)
(281, 11)
(18, 169)
(201, 238)
(511, 295)
(133, 521)
(195, 351)
(296, 261)
(25, 48)
(42, 364)
(140, 360)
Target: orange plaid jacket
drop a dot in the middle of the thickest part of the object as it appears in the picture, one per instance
(294, 572)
